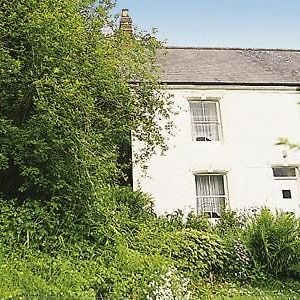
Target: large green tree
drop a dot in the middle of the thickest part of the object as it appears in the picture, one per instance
(72, 88)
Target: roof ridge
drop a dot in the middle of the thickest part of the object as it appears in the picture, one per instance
(232, 48)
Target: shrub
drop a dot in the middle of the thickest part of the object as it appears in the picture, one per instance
(196, 253)
(132, 274)
(239, 265)
(56, 227)
(231, 223)
(198, 222)
(40, 276)
(274, 242)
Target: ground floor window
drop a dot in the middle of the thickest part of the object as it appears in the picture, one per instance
(286, 187)
(210, 194)
(284, 172)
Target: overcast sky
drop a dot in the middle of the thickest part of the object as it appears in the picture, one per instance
(219, 23)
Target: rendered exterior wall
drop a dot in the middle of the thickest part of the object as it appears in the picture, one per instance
(252, 121)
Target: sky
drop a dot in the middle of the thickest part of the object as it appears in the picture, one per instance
(219, 23)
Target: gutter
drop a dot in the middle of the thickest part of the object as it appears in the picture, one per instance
(287, 84)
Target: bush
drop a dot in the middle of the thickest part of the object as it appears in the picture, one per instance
(239, 265)
(193, 252)
(197, 253)
(230, 224)
(198, 222)
(40, 276)
(274, 242)
(122, 274)
(132, 274)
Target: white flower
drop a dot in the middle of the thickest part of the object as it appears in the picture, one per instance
(174, 286)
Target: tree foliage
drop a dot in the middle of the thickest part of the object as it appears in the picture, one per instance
(69, 96)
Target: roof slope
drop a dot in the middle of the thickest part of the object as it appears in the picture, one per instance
(229, 66)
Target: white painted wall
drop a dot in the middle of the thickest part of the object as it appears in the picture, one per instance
(252, 121)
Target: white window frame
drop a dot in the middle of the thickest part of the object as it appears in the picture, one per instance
(200, 209)
(218, 122)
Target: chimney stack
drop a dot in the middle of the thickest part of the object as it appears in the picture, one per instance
(126, 22)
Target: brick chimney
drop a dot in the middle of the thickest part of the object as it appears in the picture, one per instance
(126, 22)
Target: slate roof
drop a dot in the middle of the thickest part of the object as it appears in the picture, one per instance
(181, 65)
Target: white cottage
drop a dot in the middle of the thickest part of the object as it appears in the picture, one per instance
(234, 106)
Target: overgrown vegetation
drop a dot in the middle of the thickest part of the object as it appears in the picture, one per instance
(67, 227)
(123, 251)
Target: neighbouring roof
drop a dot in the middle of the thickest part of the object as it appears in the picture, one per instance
(183, 65)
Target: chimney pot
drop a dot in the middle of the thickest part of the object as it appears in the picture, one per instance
(125, 12)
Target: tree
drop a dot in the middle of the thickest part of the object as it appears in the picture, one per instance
(69, 96)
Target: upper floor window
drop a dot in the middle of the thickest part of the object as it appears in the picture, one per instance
(205, 120)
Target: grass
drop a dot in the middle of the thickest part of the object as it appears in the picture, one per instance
(233, 291)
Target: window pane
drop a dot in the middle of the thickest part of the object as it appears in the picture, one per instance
(284, 172)
(210, 111)
(204, 111)
(217, 185)
(210, 185)
(197, 113)
(206, 132)
(286, 194)
(212, 206)
(202, 186)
